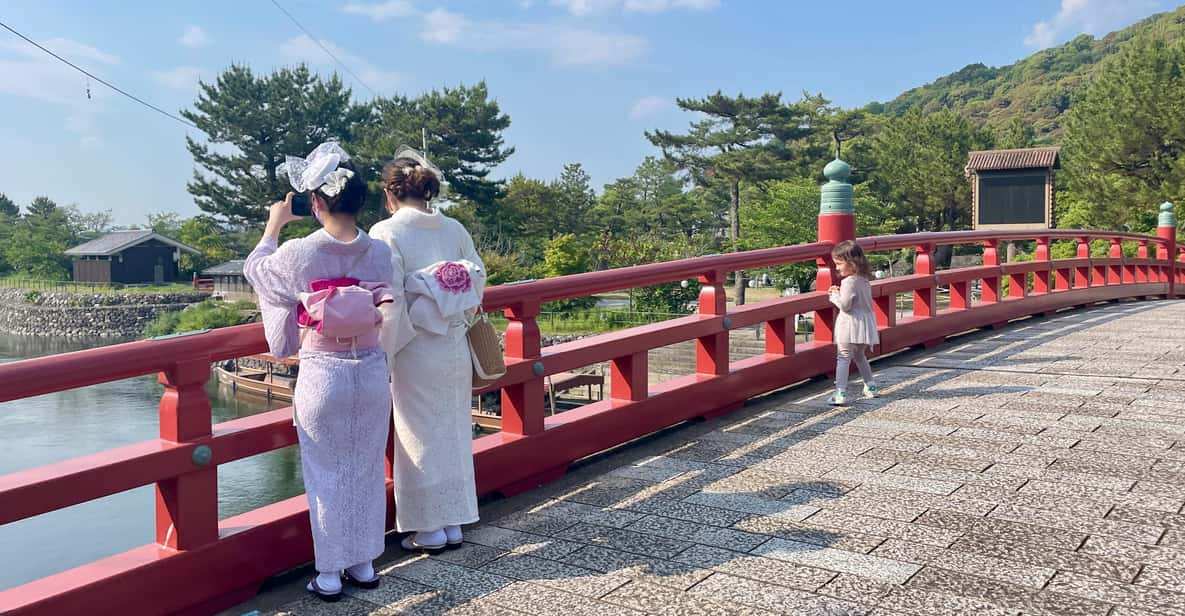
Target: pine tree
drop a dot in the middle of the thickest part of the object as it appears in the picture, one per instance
(251, 123)
(8, 208)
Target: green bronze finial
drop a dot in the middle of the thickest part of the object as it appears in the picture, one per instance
(836, 197)
(1168, 218)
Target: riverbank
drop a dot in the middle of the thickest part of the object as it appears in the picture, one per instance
(86, 315)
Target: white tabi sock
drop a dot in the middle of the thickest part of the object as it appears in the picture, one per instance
(363, 572)
(453, 533)
(330, 582)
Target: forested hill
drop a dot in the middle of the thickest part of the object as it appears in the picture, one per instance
(1037, 89)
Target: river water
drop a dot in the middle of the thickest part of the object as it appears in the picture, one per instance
(60, 426)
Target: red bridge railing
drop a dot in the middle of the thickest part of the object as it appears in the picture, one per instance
(199, 564)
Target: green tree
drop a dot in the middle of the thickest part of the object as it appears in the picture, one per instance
(1125, 140)
(1017, 134)
(574, 199)
(527, 216)
(45, 233)
(210, 238)
(251, 123)
(463, 127)
(565, 255)
(918, 169)
(165, 223)
(89, 225)
(739, 140)
(8, 208)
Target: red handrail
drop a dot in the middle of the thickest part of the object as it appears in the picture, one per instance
(223, 562)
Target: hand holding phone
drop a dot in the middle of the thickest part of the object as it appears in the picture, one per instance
(301, 206)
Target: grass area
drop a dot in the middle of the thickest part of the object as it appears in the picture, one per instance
(206, 315)
(68, 286)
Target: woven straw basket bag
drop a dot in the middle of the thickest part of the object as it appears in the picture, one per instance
(488, 364)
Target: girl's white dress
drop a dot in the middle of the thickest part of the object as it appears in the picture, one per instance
(855, 323)
(431, 381)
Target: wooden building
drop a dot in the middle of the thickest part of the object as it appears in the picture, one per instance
(1012, 189)
(129, 257)
(229, 281)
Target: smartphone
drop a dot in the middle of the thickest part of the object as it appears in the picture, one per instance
(301, 206)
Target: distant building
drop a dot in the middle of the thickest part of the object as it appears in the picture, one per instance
(229, 281)
(129, 257)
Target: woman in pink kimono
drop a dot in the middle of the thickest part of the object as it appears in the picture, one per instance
(442, 280)
(319, 295)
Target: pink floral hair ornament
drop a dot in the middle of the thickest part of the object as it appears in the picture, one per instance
(454, 277)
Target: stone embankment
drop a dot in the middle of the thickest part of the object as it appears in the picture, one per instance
(86, 315)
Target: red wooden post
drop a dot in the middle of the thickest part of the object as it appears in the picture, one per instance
(960, 298)
(187, 505)
(522, 404)
(1017, 284)
(1082, 272)
(1166, 230)
(836, 223)
(885, 307)
(1041, 278)
(989, 290)
(711, 352)
(779, 336)
(1142, 272)
(1098, 273)
(629, 377)
(924, 304)
(1115, 270)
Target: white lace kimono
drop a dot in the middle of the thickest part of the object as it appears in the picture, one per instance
(342, 402)
(432, 380)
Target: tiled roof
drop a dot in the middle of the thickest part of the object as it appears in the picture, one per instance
(118, 241)
(1025, 158)
(230, 268)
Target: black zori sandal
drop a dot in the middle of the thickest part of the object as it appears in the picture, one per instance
(328, 597)
(367, 584)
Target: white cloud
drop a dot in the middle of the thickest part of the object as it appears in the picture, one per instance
(1095, 17)
(381, 11)
(194, 37)
(564, 45)
(581, 8)
(180, 78)
(304, 49)
(648, 106)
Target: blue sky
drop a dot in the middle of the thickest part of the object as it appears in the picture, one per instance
(581, 79)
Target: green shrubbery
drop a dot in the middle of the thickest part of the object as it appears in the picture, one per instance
(206, 315)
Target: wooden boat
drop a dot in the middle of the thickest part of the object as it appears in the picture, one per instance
(256, 375)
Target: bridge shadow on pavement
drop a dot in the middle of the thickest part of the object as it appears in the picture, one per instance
(1036, 469)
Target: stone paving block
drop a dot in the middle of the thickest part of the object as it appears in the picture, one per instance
(1164, 578)
(920, 441)
(878, 506)
(1008, 596)
(1009, 572)
(653, 599)
(579, 512)
(558, 575)
(537, 524)
(927, 603)
(754, 505)
(625, 540)
(312, 606)
(697, 533)
(656, 469)
(758, 568)
(917, 533)
(774, 598)
(840, 561)
(651, 570)
(470, 555)
(907, 551)
(535, 599)
(1132, 595)
(1159, 489)
(688, 510)
(398, 596)
(857, 589)
(1146, 517)
(1048, 557)
(1173, 539)
(1008, 530)
(922, 501)
(887, 480)
(785, 528)
(1055, 489)
(1063, 504)
(1054, 519)
(520, 542)
(1161, 555)
(454, 579)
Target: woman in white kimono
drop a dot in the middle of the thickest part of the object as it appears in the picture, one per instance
(431, 368)
(342, 402)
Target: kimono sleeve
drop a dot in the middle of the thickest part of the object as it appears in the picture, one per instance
(273, 274)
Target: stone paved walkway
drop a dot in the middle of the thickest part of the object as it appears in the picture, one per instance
(1038, 469)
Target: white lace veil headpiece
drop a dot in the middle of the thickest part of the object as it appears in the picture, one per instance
(406, 151)
(318, 170)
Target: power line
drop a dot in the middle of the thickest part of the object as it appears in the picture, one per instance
(99, 79)
(325, 49)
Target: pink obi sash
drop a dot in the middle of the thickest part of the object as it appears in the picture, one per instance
(341, 314)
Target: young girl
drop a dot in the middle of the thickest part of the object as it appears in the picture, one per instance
(318, 295)
(855, 326)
